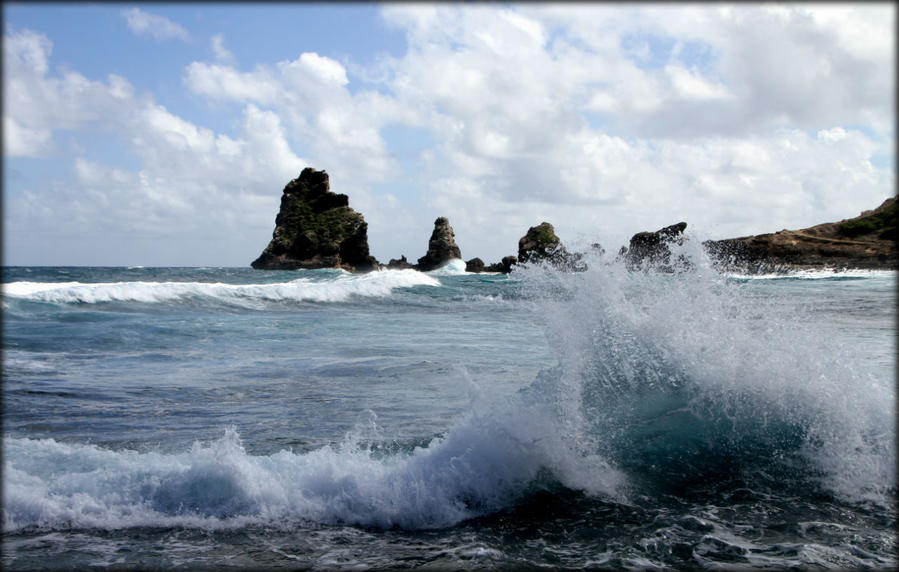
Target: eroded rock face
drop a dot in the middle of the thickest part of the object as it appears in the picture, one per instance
(316, 228)
(442, 247)
(866, 241)
(650, 249)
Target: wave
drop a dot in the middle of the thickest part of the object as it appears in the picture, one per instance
(674, 376)
(455, 267)
(336, 288)
(663, 380)
(482, 465)
(819, 274)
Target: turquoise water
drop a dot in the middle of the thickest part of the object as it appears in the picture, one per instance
(226, 417)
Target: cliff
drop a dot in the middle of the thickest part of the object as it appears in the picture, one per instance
(316, 228)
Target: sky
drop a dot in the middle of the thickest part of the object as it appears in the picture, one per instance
(162, 134)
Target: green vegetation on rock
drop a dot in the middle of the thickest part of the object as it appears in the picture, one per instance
(884, 221)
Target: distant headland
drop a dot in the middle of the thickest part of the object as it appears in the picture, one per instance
(316, 228)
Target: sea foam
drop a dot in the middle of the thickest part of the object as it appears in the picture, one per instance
(484, 463)
(335, 289)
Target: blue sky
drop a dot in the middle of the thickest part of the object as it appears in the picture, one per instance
(162, 134)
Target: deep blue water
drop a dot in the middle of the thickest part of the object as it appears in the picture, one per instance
(227, 417)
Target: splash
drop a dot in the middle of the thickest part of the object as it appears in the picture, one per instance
(679, 376)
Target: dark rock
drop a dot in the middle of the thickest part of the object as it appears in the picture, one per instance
(650, 249)
(866, 241)
(401, 264)
(538, 243)
(442, 247)
(474, 265)
(316, 228)
(504, 266)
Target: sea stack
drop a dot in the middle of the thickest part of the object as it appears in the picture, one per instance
(316, 228)
(442, 247)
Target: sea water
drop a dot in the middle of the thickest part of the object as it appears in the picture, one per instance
(315, 419)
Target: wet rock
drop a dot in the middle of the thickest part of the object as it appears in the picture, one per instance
(474, 265)
(399, 264)
(650, 249)
(538, 243)
(504, 266)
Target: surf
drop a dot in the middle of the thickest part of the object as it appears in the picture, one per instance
(316, 288)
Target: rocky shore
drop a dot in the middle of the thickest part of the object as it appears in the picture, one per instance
(867, 241)
(316, 228)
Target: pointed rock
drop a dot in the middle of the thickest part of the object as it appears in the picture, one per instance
(442, 247)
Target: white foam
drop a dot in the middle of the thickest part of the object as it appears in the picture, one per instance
(819, 274)
(483, 464)
(455, 267)
(631, 344)
(335, 289)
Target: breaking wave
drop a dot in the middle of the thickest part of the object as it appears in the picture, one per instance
(335, 289)
(662, 380)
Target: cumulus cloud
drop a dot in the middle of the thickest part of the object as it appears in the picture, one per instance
(603, 119)
(191, 181)
(153, 25)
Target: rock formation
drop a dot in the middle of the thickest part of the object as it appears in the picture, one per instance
(399, 264)
(474, 265)
(538, 243)
(866, 241)
(650, 249)
(504, 266)
(316, 228)
(442, 247)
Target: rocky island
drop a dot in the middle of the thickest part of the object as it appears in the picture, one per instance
(316, 228)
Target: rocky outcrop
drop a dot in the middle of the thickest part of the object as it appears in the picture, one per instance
(504, 266)
(316, 228)
(474, 265)
(399, 264)
(866, 241)
(442, 247)
(540, 244)
(650, 249)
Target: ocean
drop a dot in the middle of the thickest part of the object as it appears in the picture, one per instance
(313, 419)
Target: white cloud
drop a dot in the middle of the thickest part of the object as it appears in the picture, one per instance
(158, 27)
(20, 141)
(691, 85)
(221, 53)
(602, 119)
